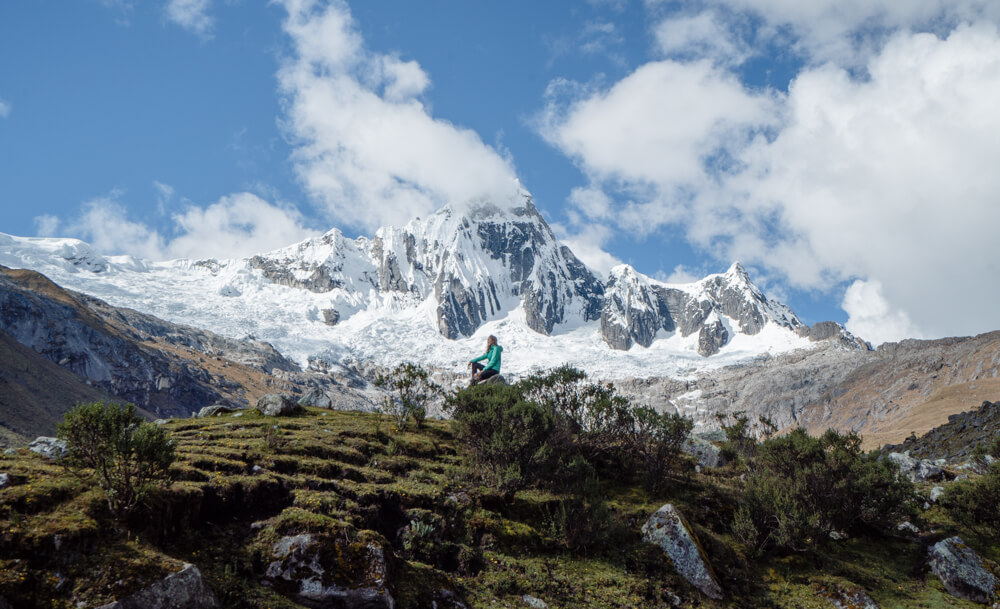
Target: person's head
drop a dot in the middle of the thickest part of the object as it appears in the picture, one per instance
(492, 340)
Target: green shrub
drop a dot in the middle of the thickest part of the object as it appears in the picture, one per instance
(128, 456)
(799, 489)
(512, 441)
(412, 388)
(742, 435)
(975, 503)
(657, 441)
(556, 429)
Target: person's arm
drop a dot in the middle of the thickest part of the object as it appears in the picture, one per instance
(480, 358)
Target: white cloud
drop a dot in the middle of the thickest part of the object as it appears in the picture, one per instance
(847, 31)
(366, 147)
(891, 178)
(680, 274)
(104, 224)
(192, 15)
(235, 226)
(652, 133)
(599, 37)
(703, 35)
(872, 318)
(238, 225)
(47, 225)
(164, 194)
(588, 244)
(888, 176)
(615, 5)
(4, 108)
(124, 9)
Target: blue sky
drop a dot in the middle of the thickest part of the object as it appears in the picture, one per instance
(844, 151)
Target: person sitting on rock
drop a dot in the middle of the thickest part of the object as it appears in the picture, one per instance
(492, 356)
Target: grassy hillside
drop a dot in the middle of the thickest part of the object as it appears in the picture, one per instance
(242, 482)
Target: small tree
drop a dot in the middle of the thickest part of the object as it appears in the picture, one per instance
(411, 387)
(657, 443)
(128, 456)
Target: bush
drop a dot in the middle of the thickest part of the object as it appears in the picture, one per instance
(799, 489)
(974, 502)
(512, 441)
(657, 441)
(557, 430)
(742, 435)
(128, 456)
(413, 388)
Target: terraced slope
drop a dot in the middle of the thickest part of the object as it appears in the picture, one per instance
(243, 483)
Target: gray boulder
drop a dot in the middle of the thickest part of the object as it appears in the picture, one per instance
(323, 571)
(277, 405)
(908, 526)
(185, 589)
(4, 480)
(936, 493)
(963, 572)
(10, 452)
(316, 398)
(216, 410)
(917, 470)
(668, 530)
(707, 454)
(495, 380)
(50, 448)
(534, 602)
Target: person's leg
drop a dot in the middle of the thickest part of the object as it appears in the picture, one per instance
(487, 374)
(476, 369)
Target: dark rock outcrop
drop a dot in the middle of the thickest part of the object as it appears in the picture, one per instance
(185, 589)
(320, 571)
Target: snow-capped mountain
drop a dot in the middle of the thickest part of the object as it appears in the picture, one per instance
(636, 307)
(432, 290)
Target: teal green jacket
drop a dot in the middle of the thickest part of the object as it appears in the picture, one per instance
(493, 358)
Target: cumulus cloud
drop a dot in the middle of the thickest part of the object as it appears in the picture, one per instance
(848, 31)
(104, 224)
(235, 226)
(871, 316)
(192, 15)
(653, 134)
(366, 147)
(885, 176)
(4, 108)
(703, 35)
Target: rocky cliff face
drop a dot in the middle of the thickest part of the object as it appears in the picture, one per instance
(476, 265)
(884, 394)
(167, 369)
(636, 307)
